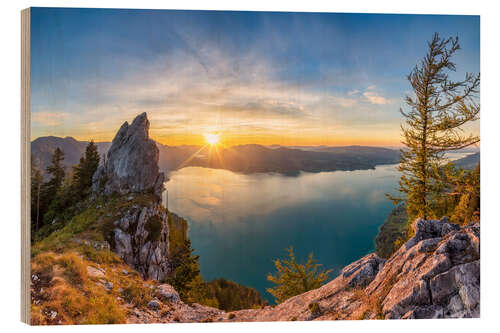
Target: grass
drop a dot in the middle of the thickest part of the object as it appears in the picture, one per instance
(65, 293)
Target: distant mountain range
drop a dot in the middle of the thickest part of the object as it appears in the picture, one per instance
(243, 158)
(468, 162)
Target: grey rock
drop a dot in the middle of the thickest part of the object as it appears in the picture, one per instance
(131, 163)
(167, 293)
(154, 304)
(123, 246)
(363, 271)
(108, 285)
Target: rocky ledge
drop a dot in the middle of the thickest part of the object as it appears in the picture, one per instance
(433, 275)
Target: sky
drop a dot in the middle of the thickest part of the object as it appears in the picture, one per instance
(251, 77)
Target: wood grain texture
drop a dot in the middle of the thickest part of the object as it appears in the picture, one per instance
(25, 165)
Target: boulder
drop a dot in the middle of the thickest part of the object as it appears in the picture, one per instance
(167, 293)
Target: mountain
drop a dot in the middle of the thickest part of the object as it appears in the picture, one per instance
(250, 158)
(468, 162)
(42, 149)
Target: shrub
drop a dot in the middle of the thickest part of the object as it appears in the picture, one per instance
(314, 308)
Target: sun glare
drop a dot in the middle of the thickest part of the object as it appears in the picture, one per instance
(212, 138)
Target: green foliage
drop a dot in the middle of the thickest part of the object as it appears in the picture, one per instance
(48, 191)
(153, 226)
(185, 268)
(83, 172)
(459, 194)
(232, 296)
(36, 189)
(293, 278)
(56, 200)
(393, 233)
(437, 110)
(57, 173)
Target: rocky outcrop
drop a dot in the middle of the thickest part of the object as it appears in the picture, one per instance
(131, 164)
(433, 275)
(141, 239)
(140, 231)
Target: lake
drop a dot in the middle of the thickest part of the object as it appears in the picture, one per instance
(239, 223)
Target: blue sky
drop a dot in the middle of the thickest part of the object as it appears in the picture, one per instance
(253, 77)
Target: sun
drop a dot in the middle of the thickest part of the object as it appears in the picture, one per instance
(212, 138)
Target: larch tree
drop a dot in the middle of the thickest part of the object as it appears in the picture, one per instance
(436, 111)
(293, 278)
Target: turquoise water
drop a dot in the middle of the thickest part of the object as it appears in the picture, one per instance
(239, 223)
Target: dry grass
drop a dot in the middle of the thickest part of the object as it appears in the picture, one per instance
(65, 294)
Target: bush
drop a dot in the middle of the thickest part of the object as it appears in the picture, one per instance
(314, 308)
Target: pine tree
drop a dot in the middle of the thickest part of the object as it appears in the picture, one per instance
(36, 187)
(294, 278)
(83, 172)
(57, 173)
(437, 111)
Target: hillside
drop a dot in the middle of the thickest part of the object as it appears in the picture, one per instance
(243, 158)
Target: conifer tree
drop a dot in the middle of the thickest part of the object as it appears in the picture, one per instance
(84, 171)
(57, 173)
(436, 112)
(36, 187)
(294, 278)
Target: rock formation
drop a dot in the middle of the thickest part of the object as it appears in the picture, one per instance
(131, 164)
(140, 234)
(141, 240)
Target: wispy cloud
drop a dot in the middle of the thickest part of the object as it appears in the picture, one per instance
(47, 118)
(374, 98)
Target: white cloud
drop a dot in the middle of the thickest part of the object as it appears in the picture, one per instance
(375, 98)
